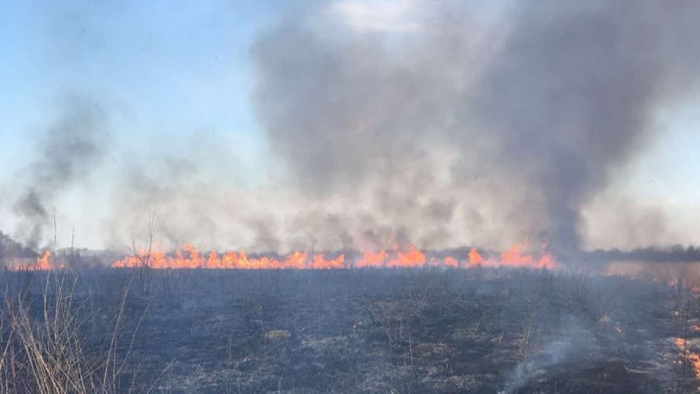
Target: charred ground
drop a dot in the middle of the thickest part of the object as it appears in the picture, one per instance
(424, 330)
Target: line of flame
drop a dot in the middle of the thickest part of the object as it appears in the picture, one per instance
(409, 257)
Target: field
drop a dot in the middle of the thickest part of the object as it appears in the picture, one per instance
(346, 331)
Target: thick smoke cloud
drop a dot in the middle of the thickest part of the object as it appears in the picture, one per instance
(533, 111)
(574, 90)
(442, 124)
(65, 154)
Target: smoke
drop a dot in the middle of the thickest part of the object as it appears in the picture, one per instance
(515, 123)
(574, 90)
(66, 153)
(442, 123)
(553, 353)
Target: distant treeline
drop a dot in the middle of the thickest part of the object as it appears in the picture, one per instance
(676, 253)
(10, 248)
(672, 254)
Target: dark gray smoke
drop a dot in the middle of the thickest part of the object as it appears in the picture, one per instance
(66, 153)
(540, 105)
(574, 90)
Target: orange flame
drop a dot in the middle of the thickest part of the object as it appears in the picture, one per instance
(42, 263)
(189, 257)
(688, 355)
(409, 257)
(475, 258)
(515, 258)
(451, 262)
(371, 259)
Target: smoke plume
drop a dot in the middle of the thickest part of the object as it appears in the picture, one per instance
(65, 153)
(525, 117)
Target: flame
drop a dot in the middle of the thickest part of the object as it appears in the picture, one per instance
(515, 258)
(190, 258)
(475, 258)
(451, 262)
(371, 259)
(688, 355)
(319, 263)
(409, 256)
(410, 259)
(42, 263)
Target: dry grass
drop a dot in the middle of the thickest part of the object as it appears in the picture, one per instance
(43, 340)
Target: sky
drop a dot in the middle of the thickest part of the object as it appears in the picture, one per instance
(174, 74)
(165, 71)
(176, 67)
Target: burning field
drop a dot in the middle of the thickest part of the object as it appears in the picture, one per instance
(350, 196)
(403, 320)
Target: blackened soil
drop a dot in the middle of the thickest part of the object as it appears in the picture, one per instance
(379, 331)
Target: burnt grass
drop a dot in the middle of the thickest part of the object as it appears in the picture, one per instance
(381, 331)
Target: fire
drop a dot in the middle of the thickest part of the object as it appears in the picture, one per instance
(514, 257)
(371, 259)
(190, 258)
(409, 256)
(475, 258)
(321, 263)
(409, 259)
(451, 262)
(688, 355)
(42, 263)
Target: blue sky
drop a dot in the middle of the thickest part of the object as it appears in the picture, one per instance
(159, 65)
(170, 69)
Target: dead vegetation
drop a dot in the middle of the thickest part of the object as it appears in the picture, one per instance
(57, 336)
(483, 331)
